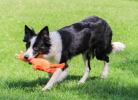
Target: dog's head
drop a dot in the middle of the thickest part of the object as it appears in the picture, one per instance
(36, 44)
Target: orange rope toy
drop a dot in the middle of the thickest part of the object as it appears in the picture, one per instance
(41, 64)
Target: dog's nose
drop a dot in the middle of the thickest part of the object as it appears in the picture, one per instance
(26, 57)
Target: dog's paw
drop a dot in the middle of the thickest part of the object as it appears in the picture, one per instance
(46, 88)
(43, 89)
(104, 75)
(81, 82)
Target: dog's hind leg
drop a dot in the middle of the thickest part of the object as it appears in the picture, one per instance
(105, 70)
(101, 55)
(86, 58)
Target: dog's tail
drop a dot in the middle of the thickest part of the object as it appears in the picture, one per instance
(117, 46)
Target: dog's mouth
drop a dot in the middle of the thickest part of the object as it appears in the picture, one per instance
(37, 55)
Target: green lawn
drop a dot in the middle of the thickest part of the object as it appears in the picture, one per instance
(18, 80)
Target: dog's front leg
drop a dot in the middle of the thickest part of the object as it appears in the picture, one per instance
(53, 79)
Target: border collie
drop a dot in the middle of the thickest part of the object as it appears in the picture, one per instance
(90, 37)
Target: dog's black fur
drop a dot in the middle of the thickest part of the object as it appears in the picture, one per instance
(91, 33)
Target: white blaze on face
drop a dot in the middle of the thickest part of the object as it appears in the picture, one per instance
(30, 50)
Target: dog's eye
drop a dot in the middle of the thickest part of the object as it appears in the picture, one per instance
(36, 48)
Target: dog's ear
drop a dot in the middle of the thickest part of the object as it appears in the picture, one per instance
(44, 33)
(28, 33)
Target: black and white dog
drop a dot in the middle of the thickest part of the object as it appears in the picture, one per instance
(90, 37)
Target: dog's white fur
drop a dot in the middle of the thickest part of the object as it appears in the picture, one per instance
(30, 49)
(55, 51)
(105, 70)
(117, 46)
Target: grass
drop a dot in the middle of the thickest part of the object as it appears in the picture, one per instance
(18, 81)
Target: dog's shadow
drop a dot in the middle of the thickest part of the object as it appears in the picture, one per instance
(40, 82)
